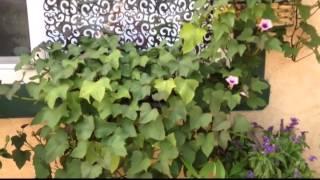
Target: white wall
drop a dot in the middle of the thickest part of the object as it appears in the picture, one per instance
(36, 19)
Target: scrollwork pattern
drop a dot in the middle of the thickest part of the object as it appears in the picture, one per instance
(144, 22)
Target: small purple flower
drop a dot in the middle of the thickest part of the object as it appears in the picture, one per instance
(265, 24)
(300, 138)
(268, 149)
(267, 146)
(294, 120)
(250, 174)
(312, 158)
(292, 125)
(270, 129)
(296, 139)
(232, 81)
(266, 140)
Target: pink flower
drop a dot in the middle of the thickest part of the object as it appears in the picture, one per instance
(232, 81)
(265, 24)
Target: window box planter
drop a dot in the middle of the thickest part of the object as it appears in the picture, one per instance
(16, 108)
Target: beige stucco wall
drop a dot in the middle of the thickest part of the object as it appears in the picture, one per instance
(294, 93)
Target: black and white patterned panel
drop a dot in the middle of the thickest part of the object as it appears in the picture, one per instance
(144, 22)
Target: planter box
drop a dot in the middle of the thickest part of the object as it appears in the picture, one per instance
(18, 108)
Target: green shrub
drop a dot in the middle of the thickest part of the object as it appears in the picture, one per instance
(149, 113)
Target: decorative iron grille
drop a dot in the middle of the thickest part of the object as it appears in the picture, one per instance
(144, 22)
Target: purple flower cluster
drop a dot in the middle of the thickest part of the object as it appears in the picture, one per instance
(267, 146)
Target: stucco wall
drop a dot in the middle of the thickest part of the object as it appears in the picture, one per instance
(294, 93)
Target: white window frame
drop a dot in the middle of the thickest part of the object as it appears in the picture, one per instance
(37, 34)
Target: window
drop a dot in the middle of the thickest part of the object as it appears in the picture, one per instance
(21, 26)
(21, 29)
(13, 27)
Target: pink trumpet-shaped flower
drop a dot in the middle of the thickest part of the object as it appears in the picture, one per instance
(232, 81)
(265, 24)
